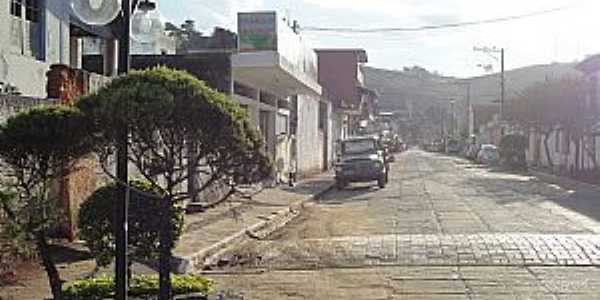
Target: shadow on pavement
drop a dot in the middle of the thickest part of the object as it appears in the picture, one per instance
(349, 194)
(65, 255)
(308, 188)
(581, 200)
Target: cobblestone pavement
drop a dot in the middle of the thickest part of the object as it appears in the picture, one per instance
(444, 228)
(426, 250)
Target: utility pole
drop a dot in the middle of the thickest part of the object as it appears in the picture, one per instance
(502, 86)
(489, 51)
(452, 119)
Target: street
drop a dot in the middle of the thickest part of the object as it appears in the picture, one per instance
(443, 228)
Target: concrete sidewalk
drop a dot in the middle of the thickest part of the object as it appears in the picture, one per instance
(209, 233)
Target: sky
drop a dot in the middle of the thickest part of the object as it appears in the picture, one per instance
(564, 36)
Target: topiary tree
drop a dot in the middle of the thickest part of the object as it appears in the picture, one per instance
(39, 146)
(96, 222)
(177, 126)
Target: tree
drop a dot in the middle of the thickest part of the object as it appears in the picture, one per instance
(512, 150)
(546, 105)
(96, 222)
(177, 125)
(40, 146)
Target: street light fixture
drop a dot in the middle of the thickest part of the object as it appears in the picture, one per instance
(146, 25)
(100, 13)
(96, 12)
(488, 51)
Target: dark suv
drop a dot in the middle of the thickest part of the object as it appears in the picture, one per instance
(362, 159)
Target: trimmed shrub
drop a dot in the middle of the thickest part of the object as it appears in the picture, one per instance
(96, 222)
(141, 286)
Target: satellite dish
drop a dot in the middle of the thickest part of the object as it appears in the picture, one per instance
(146, 25)
(96, 12)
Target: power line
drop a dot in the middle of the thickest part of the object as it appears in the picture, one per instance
(439, 26)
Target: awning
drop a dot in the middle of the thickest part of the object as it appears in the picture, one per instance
(267, 70)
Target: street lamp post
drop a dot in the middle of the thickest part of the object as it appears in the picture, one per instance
(489, 50)
(101, 13)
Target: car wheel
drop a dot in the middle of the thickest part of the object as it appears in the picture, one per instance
(381, 183)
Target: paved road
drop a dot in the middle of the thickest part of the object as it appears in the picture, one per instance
(444, 228)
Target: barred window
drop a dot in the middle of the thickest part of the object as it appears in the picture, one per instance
(16, 8)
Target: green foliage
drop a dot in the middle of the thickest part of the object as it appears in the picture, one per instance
(512, 149)
(39, 145)
(140, 286)
(167, 111)
(551, 102)
(176, 125)
(96, 222)
(45, 138)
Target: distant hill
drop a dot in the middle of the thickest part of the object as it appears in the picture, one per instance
(486, 89)
(426, 97)
(419, 87)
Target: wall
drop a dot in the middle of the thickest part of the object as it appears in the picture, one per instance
(309, 139)
(26, 72)
(338, 74)
(563, 158)
(331, 137)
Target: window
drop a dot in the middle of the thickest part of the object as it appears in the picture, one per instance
(16, 8)
(358, 146)
(26, 29)
(32, 10)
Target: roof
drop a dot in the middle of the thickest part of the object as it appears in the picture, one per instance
(361, 53)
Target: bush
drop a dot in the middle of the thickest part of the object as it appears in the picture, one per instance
(512, 150)
(96, 222)
(39, 147)
(139, 286)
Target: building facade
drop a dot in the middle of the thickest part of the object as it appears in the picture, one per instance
(35, 34)
(353, 106)
(276, 79)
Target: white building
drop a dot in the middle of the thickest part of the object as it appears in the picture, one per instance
(276, 79)
(33, 35)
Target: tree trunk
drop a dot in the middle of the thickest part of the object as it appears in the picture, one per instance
(578, 159)
(165, 250)
(589, 146)
(547, 149)
(51, 270)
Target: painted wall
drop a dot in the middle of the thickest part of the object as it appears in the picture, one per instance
(25, 72)
(309, 138)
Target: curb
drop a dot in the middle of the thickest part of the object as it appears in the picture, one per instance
(556, 179)
(210, 255)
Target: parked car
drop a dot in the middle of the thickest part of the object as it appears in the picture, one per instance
(362, 159)
(488, 154)
(397, 145)
(453, 147)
